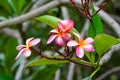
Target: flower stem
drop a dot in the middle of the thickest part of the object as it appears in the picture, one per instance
(95, 72)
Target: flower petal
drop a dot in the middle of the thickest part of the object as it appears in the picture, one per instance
(69, 25)
(28, 40)
(79, 52)
(66, 37)
(59, 41)
(72, 43)
(66, 25)
(26, 53)
(62, 24)
(21, 52)
(54, 30)
(79, 37)
(20, 47)
(89, 40)
(34, 42)
(89, 48)
(51, 38)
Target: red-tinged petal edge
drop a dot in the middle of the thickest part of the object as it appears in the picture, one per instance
(51, 38)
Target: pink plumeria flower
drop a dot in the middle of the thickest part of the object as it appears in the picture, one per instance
(82, 45)
(25, 49)
(61, 34)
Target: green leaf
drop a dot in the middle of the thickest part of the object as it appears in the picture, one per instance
(104, 42)
(87, 78)
(96, 26)
(50, 20)
(18, 5)
(5, 5)
(46, 73)
(4, 76)
(44, 61)
(10, 52)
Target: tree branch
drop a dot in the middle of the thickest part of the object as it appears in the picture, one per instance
(107, 73)
(29, 15)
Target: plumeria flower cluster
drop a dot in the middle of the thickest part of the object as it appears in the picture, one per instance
(62, 37)
(61, 34)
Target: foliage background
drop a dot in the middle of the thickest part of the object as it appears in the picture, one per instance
(11, 69)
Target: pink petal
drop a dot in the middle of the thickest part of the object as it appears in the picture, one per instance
(62, 24)
(79, 37)
(34, 42)
(20, 47)
(72, 43)
(54, 30)
(69, 25)
(21, 52)
(26, 53)
(79, 52)
(28, 40)
(89, 48)
(59, 41)
(66, 37)
(89, 41)
(66, 25)
(51, 38)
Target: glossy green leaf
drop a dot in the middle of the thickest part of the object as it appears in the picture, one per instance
(46, 73)
(50, 20)
(104, 42)
(96, 26)
(44, 61)
(18, 5)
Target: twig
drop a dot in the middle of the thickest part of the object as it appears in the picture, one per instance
(108, 55)
(99, 2)
(109, 72)
(13, 33)
(101, 7)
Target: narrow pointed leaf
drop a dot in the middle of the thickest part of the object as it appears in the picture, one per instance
(96, 26)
